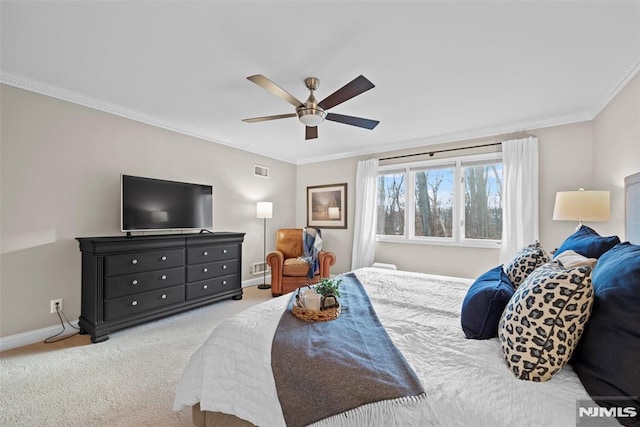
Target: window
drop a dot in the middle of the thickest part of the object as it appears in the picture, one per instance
(483, 201)
(434, 202)
(456, 201)
(391, 204)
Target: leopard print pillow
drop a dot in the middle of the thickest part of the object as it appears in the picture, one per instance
(543, 321)
(528, 259)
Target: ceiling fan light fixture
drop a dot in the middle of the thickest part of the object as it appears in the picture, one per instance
(312, 113)
(310, 116)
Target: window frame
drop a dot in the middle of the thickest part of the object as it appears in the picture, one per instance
(391, 170)
(458, 229)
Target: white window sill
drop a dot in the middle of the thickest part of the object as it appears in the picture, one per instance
(491, 244)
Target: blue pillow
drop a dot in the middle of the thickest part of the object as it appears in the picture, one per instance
(484, 303)
(587, 242)
(607, 359)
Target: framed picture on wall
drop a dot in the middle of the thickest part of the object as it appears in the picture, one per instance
(327, 206)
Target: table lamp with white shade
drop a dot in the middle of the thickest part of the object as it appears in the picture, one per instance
(582, 205)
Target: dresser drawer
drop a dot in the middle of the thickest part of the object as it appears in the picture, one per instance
(202, 254)
(143, 261)
(213, 269)
(138, 303)
(141, 282)
(207, 288)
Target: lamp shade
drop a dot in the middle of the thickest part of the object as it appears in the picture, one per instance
(264, 209)
(582, 205)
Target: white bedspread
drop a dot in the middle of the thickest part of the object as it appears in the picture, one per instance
(467, 381)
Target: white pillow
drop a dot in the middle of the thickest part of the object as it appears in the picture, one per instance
(570, 259)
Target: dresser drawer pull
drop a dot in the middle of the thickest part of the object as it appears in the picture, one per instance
(205, 286)
(164, 258)
(224, 267)
(204, 270)
(224, 282)
(134, 282)
(134, 302)
(134, 261)
(224, 251)
(163, 277)
(205, 253)
(164, 296)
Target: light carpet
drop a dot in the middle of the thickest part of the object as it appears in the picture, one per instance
(128, 380)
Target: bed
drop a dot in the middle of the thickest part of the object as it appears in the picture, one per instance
(229, 380)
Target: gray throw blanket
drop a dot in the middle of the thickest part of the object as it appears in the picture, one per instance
(326, 368)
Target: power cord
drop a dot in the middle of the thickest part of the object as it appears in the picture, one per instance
(60, 314)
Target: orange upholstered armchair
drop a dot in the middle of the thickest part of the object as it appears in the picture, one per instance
(288, 272)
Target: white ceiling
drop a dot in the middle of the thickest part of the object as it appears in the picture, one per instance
(443, 70)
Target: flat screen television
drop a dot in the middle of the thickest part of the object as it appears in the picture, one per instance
(149, 204)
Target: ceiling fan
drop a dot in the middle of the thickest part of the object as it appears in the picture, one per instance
(311, 113)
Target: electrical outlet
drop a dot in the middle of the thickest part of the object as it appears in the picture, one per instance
(53, 305)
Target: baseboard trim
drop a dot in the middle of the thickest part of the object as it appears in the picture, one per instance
(256, 281)
(39, 335)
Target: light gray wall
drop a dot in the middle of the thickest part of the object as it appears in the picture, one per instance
(565, 158)
(60, 173)
(617, 149)
(338, 241)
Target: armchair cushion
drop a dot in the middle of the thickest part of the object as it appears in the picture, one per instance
(295, 267)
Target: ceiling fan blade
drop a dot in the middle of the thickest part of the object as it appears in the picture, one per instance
(355, 87)
(311, 132)
(267, 118)
(264, 82)
(353, 121)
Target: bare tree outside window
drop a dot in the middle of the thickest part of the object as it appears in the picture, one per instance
(483, 202)
(391, 192)
(434, 203)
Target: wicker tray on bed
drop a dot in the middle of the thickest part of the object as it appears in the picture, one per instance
(308, 315)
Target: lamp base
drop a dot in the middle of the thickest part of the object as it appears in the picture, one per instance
(264, 286)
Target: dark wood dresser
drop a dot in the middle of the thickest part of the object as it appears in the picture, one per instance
(131, 280)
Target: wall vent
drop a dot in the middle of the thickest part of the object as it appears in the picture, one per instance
(259, 268)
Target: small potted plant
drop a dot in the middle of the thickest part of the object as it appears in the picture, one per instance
(329, 289)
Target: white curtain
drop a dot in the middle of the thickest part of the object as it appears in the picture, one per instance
(364, 235)
(520, 196)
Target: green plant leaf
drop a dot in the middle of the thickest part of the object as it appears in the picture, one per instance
(328, 286)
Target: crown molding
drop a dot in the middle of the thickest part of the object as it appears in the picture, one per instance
(74, 98)
(492, 132)
(85, 101)
(609, 97)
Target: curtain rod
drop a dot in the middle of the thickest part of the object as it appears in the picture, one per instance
(431, 153)
(505, 137)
